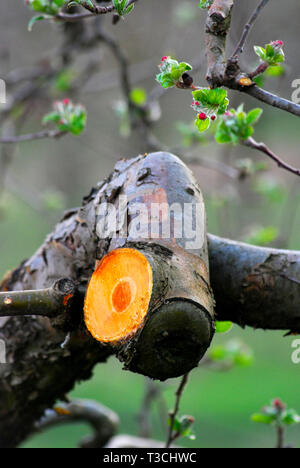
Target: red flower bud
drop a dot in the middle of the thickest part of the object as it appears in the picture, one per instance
(213, 117)
(202, 116)
(278, 404)
(227, 113)
(196, 103)
(164, 58)
(66, 101)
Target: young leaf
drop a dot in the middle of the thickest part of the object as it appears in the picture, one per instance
(262, 418)
(34, 19)
(223, 327)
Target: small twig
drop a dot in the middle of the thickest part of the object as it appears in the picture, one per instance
(240, 47)
(152, 391)
(93, 11)
(33, 136)
(251, 143)
(45, 302)
(103, 420)
(174, 412)
(280, 437)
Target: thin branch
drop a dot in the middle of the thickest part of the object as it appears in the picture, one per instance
(103, 421)
(45, 302)
(280, 437)
(152, 392)
(228, 73)
(251, 143)
(93, 11)
(172, 436)
(273, 100)
(33, 136)
(240, 47)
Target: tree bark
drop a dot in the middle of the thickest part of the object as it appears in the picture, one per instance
(46, 356)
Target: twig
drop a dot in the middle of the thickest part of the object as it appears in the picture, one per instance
(93, 11)
(103, 420)
(227, 73)
(280, 437)
(251, 143)
(45, 302)
(33, 136)
(173, 414)
(240, 47)
(152, 391)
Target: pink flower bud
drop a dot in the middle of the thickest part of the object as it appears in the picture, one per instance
(196, 103)
(66, 101)
(164, 58)
(278, 404)
(202, 116)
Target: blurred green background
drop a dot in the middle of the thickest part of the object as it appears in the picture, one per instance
(46, 177)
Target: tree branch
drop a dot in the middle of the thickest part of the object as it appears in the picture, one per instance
(172, 435)
(102, 420)
(48, 302)
(271, 99)
(252, 286)
(255, 286)
(94, 11)
(33, 136)
(251, 143)
(228, 73)
(240, 47)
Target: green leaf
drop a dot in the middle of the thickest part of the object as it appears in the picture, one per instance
(275, 70)
(205, 3)
(223, 327)
(262, 418)
(263, 236)
(129, 9)
(260, 51)
(67, 116)
(290, 417)
(138, 96)
(202, 125)
(236, 125)
(253, 116)
(34, 20)
(171, 71)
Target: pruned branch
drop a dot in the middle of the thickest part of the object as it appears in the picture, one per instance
(253, 286)
(48, 302)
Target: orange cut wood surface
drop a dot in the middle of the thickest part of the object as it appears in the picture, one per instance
(118, 295)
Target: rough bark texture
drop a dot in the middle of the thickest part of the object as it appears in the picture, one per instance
(255, 286)
(217, 27)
